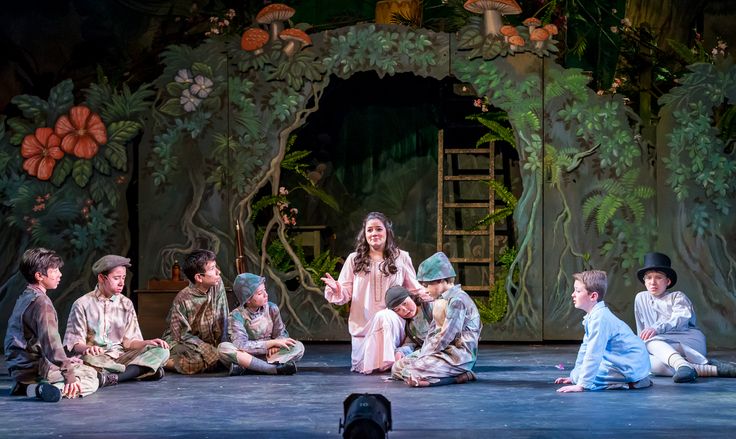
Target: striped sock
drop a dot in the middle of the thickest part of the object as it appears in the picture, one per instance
(705, 370)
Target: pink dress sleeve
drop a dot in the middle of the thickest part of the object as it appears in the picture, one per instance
(346, 283)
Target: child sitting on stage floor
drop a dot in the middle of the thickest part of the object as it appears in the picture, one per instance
(451, 348)
(666, 323)
(103, 329)
(257, 333)
(198, 317)
(417, 315)
(34, 355)
(611, 356)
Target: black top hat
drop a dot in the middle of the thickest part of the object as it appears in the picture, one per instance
(658, 262)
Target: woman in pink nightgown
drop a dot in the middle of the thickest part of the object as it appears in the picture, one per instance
(376, 264)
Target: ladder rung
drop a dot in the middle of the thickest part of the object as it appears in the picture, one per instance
(467, 177)
(471, 260)
(465, 232)
(467, 151)
(467, 205)
(476, 287)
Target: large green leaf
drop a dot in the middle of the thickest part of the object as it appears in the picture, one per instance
(117, 155)
(121, 132)
(62, 170)
(81, 172)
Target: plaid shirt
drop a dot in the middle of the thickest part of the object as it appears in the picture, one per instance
(199, 321)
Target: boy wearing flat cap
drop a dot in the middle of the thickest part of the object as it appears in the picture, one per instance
(451, 348)
(258, 333)
(103, 329)
(34, 354)
(665, 320)
(198, 317)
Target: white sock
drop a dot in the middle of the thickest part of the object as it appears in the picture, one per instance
(31, 390)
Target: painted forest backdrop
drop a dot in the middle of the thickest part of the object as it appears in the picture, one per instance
(181, 124)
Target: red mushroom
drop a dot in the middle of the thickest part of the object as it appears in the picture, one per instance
(551, 28)
(532, 23)
(295, 39)
(516, 41)
(253, 40)
(492, 11)
(539, 35)
(274, 15)
(508, 31)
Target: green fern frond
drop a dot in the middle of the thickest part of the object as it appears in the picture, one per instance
(606, 211)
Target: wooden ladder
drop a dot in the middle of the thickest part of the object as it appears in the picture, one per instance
(450, 202)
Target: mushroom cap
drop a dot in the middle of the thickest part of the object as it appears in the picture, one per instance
(508, 30)
(504, 7)
(539, 34)
(295, 35)
(274, 12)
(551, 28)
(253, 39)
(532, 21)
(517, 40)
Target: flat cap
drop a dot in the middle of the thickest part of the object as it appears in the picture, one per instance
(108, 262)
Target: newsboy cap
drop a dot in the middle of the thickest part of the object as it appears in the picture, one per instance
(108, 262)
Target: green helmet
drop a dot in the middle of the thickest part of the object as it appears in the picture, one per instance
(435, 267)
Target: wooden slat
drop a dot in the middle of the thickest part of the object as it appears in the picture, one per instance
(467, 206)
(467, 151)
(485, 288)
(468, 177)
(466, 232)
(471, 260)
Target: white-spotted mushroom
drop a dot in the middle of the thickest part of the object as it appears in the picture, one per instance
(532, 23)
(253, 40)
(508, 31)
(492, 11)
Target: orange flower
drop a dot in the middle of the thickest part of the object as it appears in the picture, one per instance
(41, 151)
(81, 133)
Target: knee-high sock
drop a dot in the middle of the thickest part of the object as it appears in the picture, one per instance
(131, 371)
(666, 354)
(258, 365)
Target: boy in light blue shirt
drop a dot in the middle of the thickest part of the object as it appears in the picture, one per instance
(611, 355)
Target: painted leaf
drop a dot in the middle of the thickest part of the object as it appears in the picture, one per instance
(32, 107)
(101, 164)
(20, 128)
(203, 69)
(81, 172)
(172, 107)
(96, 190)
(122, 131)
(116, 154)
(61, 99)
(62, 170)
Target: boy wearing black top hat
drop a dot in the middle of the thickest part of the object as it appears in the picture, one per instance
(665, 320)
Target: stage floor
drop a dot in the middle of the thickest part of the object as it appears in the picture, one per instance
(514, 398)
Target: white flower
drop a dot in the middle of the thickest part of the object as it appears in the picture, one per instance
(189, 102)
(183, 76)
(202, 86)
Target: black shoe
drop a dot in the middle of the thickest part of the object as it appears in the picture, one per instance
(685, 374)
(107, 379)
(288, 368)
(236, 370)
(48, 393)
(18, 389)
(724, 369)
(155, 376)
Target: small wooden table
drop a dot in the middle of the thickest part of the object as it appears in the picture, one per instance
(154, 303)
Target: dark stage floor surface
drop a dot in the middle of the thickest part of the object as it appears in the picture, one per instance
(514, 398)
